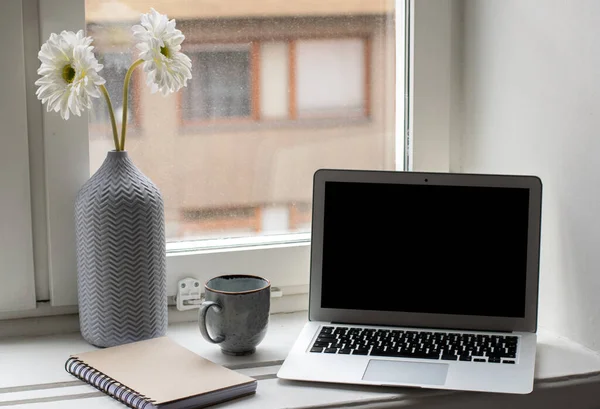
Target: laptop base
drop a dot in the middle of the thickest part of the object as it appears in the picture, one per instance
(302, 365)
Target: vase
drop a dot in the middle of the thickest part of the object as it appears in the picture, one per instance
(121, 255)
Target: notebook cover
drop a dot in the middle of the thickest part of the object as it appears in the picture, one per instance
(162, 370)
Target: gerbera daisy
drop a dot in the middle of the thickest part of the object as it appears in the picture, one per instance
(167, 69)
(69, 73)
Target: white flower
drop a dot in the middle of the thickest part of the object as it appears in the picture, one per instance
(167, 68)
(69, 73)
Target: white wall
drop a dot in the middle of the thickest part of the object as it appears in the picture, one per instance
(531, 104)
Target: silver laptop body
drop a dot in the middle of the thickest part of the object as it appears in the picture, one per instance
(422, 280)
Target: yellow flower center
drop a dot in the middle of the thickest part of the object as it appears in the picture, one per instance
(68, 73)
(165, 51)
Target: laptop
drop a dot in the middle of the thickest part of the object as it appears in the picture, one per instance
(426, 280)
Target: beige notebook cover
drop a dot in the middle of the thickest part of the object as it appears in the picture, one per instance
(162, 370)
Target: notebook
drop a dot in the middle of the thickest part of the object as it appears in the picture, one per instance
(158, 373)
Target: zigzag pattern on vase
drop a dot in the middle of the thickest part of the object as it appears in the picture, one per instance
(121, 258)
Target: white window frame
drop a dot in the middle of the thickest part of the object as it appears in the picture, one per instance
(64, 163)
(17, 287)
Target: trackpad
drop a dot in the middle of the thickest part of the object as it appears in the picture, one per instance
(402, 372)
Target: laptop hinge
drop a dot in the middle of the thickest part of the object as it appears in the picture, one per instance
(425, 328)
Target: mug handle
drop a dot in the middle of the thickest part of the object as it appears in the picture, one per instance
(207, 305)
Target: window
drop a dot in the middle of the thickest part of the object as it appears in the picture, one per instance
(275, 89)
(226, 184)
(332, 77)
(271, 100)
(220, 85)
(322, 78)
(113, 50)
(115, 67)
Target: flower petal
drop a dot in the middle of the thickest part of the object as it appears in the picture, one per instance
(163, 74)
(75, 50)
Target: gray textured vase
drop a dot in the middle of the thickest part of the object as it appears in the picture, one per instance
(121, 259)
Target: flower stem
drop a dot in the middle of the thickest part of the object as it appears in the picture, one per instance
(112, 116)
(125, 95)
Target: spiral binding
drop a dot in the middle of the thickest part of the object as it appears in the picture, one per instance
(102, 382)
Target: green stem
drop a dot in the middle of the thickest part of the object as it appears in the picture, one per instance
(112, 116)
(125, 95)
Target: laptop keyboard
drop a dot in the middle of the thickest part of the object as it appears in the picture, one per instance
(450, 346)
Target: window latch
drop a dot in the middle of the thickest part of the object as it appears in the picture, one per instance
(188, 294)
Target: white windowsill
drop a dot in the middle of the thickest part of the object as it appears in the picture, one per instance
(32, 376)
(186, 247)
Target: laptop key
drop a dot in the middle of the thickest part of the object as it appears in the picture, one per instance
(415, 355)
(380, 352)
(449, 346)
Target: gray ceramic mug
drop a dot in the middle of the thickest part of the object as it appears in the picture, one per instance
(235, 313)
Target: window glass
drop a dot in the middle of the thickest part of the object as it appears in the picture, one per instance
(280, 89)
(331, 77)
(115, 67)
(274, 80)
(220, 85)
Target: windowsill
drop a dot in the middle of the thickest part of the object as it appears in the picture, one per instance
(186, 247)
(32, 376)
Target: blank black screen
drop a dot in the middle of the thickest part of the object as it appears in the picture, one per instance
(425, 248)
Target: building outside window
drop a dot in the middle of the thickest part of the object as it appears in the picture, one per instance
(220, 86)
(274, 96)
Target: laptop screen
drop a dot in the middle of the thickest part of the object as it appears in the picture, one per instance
(425, 248)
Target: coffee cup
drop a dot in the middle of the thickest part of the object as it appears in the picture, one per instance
(235, 313)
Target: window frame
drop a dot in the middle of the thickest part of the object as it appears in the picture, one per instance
(16, 245)
(66, 168)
